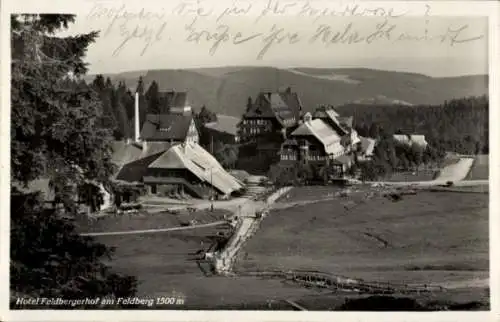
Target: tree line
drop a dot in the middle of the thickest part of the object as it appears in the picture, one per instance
(60, 131)
(459, 125)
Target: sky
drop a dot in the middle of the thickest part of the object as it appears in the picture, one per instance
(289, 34)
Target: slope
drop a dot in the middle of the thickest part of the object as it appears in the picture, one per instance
(225, 90)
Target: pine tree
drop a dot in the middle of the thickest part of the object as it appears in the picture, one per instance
(153, 98)
(249, 103)
(55, 134)
(119, 111)
(109, 120)
(140, 86)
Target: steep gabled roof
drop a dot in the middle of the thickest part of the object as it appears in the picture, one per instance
(225, 124)
(134, 171)
(127, 153)
(292, 99)
(321, 131)
(328, 114)
(199, 162)
(165, 127)
(280, 108)
(124, 152)
(284, 106)
(324, 112)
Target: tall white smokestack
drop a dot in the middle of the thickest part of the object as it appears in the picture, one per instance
(137, 127)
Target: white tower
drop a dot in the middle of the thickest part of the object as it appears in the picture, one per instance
(137, 125)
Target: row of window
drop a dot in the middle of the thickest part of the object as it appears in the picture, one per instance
(256, 122)
(254, 130)
(293, 156)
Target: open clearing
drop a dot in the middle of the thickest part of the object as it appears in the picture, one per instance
(164, 262)
(164, 265)
(422, 175)
(431, 238)
(480, 168)
(144, 220)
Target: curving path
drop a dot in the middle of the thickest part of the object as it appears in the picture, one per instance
(455, 173)
(152, 231)
(247, 226)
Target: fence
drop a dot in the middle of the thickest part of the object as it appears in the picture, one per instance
(325, 280)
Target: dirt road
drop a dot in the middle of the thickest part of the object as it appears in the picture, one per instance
(152, 231)
(247, 226)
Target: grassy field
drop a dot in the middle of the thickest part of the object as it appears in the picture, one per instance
(480, 168)
(144, 220)
(423, 175)
(307, 193)
(163, 264)
(431, 237)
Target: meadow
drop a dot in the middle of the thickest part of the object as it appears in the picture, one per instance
(430, 238)
(144, 220)
(480, 168)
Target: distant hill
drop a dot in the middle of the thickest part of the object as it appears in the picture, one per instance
(225, 90)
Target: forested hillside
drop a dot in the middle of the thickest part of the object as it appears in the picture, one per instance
(225, 90)
(459, 125)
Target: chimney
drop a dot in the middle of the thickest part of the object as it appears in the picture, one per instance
(137, 123)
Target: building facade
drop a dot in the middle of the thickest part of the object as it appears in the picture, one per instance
(271, 113)
(168, 160)
(316, 144)
(324, 140)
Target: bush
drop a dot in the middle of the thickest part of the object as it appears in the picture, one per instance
(50, 259)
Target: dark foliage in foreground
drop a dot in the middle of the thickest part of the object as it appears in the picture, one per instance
(58, 132)
(52, 260)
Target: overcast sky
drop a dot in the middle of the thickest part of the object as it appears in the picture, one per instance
(170, 39)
